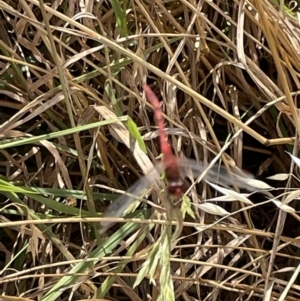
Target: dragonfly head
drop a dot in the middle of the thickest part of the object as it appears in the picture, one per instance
(177, 188)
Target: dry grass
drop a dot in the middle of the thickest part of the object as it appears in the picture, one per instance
(75, 130)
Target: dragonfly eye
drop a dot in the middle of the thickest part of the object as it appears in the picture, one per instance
(175, 191)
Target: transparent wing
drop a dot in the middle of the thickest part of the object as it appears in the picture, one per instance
(118, 207)
(217, 174)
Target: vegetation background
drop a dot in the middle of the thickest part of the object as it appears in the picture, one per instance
(76, 131)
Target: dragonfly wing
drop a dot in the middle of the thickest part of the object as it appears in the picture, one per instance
(118, 207)
(216, 174)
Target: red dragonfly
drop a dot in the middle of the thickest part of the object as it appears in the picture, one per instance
(176, 169)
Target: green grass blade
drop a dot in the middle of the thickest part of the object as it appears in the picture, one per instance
(134, 131)
(36, 139)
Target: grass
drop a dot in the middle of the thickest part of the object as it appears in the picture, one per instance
(76, 132)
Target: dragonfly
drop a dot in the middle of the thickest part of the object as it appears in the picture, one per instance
(175, 169)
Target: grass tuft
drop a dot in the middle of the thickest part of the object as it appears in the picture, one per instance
(76, 130)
